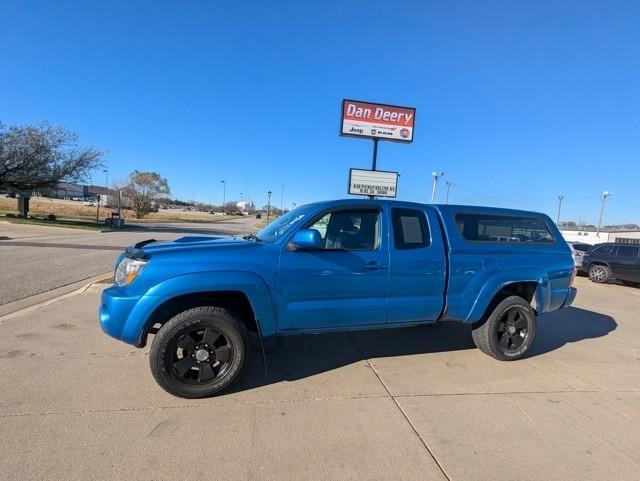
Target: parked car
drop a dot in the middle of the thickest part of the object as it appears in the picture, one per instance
(577, 251)
(613, 261)
(336, 266)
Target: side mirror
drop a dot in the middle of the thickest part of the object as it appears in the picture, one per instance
(306, 239)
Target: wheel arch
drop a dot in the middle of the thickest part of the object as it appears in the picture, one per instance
(527, 290)
(236, 302)
(244, 293)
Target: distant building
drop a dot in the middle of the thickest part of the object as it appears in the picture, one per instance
(589, 235)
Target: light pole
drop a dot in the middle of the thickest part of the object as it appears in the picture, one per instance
(449, 184)
(106, 183)
(224, 195)
(268, 207)
(281, 197)
(603, 198)
(436, 176)
(560, 199)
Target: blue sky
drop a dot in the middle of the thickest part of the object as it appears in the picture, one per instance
(516, 101)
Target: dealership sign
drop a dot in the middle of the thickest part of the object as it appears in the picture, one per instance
(373, 183)
(377, 121)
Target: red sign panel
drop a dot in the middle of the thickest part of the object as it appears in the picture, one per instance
(377, 121)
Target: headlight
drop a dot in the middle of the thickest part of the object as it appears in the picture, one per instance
(128, 270)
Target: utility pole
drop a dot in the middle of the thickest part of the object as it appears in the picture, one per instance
(436, 176)
(603, 198)
(449, 184)
(281, 197)
(224, 195)
(560, 199)
(106, 183)
(268, 207)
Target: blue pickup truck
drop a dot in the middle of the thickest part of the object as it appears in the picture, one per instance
(336, 266)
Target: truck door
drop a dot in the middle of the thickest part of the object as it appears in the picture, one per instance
(416, 266)
(342, 284)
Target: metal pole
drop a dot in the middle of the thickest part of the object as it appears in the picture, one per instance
(106, 188)
(449, 184)
(224, 196)
(268, 207)
(375, 154)
(560, 199)
(603, 198)
(436, 176)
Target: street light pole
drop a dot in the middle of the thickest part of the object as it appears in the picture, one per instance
(268, 207)
(449, 184)
(560, 199)
(603, 198)
(436, 176)
(224, 195)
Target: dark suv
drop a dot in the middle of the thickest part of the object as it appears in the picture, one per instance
(613, 261)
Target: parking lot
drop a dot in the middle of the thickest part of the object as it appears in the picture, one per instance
(409, 404)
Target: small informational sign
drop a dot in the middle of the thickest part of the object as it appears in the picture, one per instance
(373, 182)
(377, 121)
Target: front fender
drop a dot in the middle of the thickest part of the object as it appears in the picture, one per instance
(250, 284)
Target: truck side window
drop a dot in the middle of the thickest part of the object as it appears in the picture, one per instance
(503, 228)
(410, 229)
(353, 230)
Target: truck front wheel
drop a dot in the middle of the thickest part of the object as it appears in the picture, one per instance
(199, 352)
(508, 332)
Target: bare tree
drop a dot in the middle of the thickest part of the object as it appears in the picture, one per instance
(39, 156)
(144, 189)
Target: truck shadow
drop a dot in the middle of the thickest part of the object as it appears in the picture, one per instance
(298, 357)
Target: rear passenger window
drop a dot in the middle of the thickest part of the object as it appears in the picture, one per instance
(410, 229)
(503, 228)
(627, 251)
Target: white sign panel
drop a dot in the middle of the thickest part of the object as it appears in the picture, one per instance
(373, 182)
(377, 121)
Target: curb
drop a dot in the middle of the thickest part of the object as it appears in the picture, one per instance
(102, 278)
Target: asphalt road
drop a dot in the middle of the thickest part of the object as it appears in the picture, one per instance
(404, 404)
(36, 259)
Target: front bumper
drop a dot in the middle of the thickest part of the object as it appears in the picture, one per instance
(114, 312)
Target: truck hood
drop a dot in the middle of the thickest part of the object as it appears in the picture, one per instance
(193, 244)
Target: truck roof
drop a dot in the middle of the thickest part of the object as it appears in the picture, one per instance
(443, 208)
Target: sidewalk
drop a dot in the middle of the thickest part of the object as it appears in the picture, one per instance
(408, 404)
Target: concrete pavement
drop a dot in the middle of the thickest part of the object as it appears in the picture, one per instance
(415, 404)
(37, 259)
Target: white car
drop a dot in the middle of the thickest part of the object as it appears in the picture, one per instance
(577, 251)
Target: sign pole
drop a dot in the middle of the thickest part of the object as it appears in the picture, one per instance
(375, 153)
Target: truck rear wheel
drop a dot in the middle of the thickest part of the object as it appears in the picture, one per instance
(199, 352)
(508, 331)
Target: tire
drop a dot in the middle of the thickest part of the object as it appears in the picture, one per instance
(508, 331)
(199, 352)
(599, 273)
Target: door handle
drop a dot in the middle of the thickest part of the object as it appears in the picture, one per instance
(375, 266)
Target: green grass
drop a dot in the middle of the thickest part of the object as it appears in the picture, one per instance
(71, 223)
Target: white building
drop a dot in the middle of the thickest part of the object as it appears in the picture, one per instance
(590, 236)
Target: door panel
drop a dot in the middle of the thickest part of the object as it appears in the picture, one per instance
(345, 283)
(625, 263)
(416, 268)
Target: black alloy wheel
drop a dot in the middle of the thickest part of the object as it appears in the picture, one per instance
(508, 331)
(199, 352)
(201, 355)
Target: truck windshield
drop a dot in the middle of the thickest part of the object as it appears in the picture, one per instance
(282, 224)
